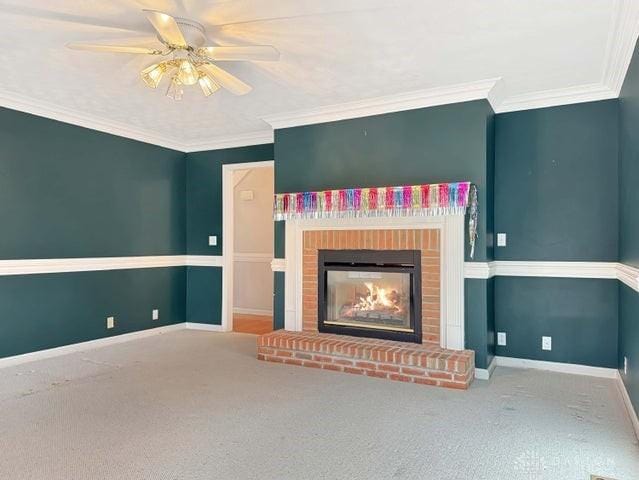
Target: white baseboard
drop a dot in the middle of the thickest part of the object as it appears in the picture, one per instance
(629, 407)
(252, 311)
(83, 346)
(556, 367)
(486, 373)
(203, 326)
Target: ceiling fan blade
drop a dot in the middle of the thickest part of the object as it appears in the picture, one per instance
(226, 80)
(96, 47)
(260, 53)
(167, 28)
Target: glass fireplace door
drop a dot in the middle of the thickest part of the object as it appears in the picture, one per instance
(366, 299)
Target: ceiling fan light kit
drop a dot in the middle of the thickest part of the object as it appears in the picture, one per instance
(190, 61)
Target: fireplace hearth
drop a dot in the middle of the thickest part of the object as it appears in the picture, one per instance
(370, 293)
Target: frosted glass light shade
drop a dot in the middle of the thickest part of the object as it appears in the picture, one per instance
(153, 75)
(175, 90)
(207, 85)
(187, 73)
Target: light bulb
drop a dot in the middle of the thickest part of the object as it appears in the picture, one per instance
(153, 75)
(187, 73)
(207, 85)
(175, 90)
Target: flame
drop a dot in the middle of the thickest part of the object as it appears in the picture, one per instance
(378, 298)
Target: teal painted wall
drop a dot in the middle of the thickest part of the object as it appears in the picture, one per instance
(581, 316)
(438, 144)
(204, 295)
(204, 193)
(203, 218)
(629, 226)
(51, 310)
(67, 191)
(556, 183)
(556, 199)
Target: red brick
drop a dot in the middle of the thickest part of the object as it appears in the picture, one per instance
(442, 375)
(343, 361)
(425, 381)
(312, 364)
(376, 373)
(413, 371)
(330, 366)
(358, 371)
(366, 365)
(284, 353)
(303, 356)
(293, 361)
(398, 377)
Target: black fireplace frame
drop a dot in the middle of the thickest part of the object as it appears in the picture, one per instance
(404, 261)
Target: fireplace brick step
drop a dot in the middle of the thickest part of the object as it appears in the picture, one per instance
(424, 364)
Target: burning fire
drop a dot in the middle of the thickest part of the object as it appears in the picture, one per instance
(378, 298)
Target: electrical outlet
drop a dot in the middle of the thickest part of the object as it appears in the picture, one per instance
(501, 239)
(212, 240)
(501, 338)
(110, 322)
(546, 343)
(156, 314)
(625, 365)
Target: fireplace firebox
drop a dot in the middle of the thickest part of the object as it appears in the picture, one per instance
(370, 293)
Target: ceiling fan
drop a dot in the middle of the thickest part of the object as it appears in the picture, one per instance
(187, 58)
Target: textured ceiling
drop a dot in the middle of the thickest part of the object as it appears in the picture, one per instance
(332, 51)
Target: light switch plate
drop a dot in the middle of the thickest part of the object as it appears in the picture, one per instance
(212, 240)
(501, 338)
(110, 322)
(246, 195)
(546, 343)
(156, 314)
(501, 239)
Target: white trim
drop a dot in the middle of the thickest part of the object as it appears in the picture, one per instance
(556, 367)
(253, 257)
(60, 265)
(89, 345)
(452, 264)
(278, 265)
(556, 269)
(260, 137)
(204, 261)
(430, 97)
(203, 326)
(628, 404)
(621, 44)
(479, 270)
(228, 252)
(628, 275)
(252, 311)
(556, 97)
(486, 373)
(43, 108)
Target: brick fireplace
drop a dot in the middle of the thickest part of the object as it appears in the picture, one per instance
(440, 358)
(426, 241)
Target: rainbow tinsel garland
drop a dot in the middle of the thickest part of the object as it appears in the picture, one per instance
(433, 199)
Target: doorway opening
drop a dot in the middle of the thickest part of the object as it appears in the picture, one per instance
(248, 247)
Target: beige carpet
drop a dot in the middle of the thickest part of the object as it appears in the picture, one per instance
(197, 405)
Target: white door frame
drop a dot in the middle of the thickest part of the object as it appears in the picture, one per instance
(228, 238)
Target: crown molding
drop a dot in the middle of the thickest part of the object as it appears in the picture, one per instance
(621, 44)
(41, 108)
(259, 137)
(556, 97)
(430, 97)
